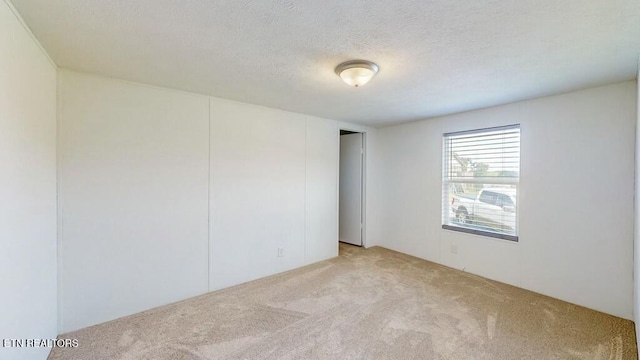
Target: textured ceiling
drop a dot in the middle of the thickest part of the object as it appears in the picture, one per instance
(436, 57)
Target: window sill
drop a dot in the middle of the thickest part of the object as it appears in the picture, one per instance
(481, 233)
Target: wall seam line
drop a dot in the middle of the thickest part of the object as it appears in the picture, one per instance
(59, 202)
(306, 140)
(209, 200)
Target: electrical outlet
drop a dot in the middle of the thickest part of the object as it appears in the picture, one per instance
(280, 252)
(454, 248)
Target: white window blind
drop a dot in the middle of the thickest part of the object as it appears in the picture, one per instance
(481, 172)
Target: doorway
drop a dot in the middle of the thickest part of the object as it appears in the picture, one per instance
(351, 188)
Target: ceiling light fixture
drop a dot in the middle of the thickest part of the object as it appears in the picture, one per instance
(356, 72)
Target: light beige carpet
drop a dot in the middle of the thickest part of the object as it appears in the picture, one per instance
(365, 304)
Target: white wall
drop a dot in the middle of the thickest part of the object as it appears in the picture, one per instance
(133, 198)
(257, 192)
(576, 208)
(27, 189)
(636, 234)
(321, 189)
(374, 188)
(165, 195)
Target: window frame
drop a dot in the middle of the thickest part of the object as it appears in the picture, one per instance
(448, 181)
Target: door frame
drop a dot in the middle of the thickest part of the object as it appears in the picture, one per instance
(363, 197)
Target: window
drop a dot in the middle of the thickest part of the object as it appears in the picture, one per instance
(481, 172)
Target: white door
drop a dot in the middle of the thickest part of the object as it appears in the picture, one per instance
(351, 154)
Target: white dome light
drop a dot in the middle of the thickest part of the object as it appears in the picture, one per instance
(356, 72)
